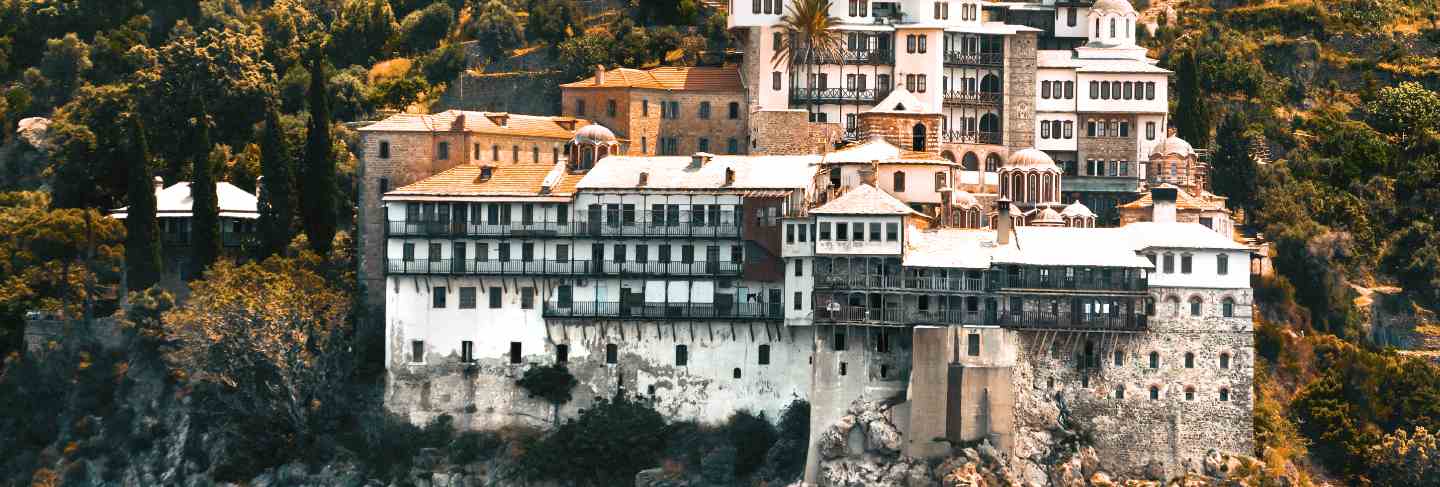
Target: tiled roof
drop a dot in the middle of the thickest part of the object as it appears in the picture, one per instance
(481, 122)
(176, 201)
(864, 200)
(674, 78)
(673, 173)
(1183, 200)
(505, 180)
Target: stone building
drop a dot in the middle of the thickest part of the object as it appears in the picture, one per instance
(665, 110)
(1066, 78)
(1175, 168)
(406, 148)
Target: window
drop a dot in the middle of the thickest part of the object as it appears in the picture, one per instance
(842, 231)
(1070, 16)
(799, 267)
(844, 367)
(1169, 263)
(1119, 358)
(1224, 394)
(972, 344)
(799, 297)
(610, 108)
(1149, 90)
(1224, 360)
(1045, 90)
(515, 352)
(1044, 130)
(704, 110)
(1154, 393)
(874, 232)
(674, 110)
(515, 154)
(417, 351)
(664, 255)
(527, 298)
(1154, 360)
(910, 44)
(1129, 90)
(612, 353)
(920, 79)
(564, 296)
(892, 232)
(734, 110)
(732, 146)
(1149, 130)
(467, 351)
(1119, 392)
(682, 355)
(562, 353)
(1185, 264)
(764, 355)
(495, 295)
(824, 231)
(1189, 393)
(467, 298)
(858, 234)
(645, 107)
(384, 149)
(442, 152)
(755, 7)
(527, 252)
(899, 181)
(839, 344)
(1227, 308)
(775, 76)
(704, 145)
(437, 296)
(407, 252)
(735, 373)
(921, 49)
(1069, 129)
(579, 107)
(1124, 128)
(1070, 86)
(1222, 264)
(535, 154)
(1104, 90)
(1094, 90)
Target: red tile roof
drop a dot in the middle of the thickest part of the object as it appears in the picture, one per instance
(505, 180)
(481, 122)
(675, 78)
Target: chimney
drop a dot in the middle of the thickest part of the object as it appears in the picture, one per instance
(599, 74)
(644, 179)
(459, 124)
(947, 204)
(1163, 199)
(699, 159)
(159, 183)
(729, 177)
(1002, 222)
(1170, 131)
(501, 119)
(867, 173)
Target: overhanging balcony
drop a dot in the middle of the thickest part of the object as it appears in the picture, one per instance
(840, 281)
(836, 96)
(1121, 322)
(962, 58)
(964, 137)
(570, 267)
(869, 56)
(973, 98)
(410, 228)
(664, 311)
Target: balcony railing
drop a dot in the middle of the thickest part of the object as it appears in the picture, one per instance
(918, 283)
(962, 58)
(727, 227)
(1037, 320)
(836, 95)
(955, 98)
(227, 239)
(962, 137)
(674, 311)
(569, 267)
(869, 56)
(642, 228)
(1032, 280)
(463, 229)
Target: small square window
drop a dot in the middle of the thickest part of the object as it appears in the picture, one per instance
(417, 351)
(467, 298)
(438, 297)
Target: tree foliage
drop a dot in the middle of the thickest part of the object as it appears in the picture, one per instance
(423, 29)
(142, 230)
(319, 197)
(1233, 171)
(497, 30)
(606, 445)
(274, 194)
(1191, 112)
(552, 21)
(362, 31)
(1405, 459)
(1407, 109)
(205, 203)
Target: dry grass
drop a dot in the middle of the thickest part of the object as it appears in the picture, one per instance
(389, 69)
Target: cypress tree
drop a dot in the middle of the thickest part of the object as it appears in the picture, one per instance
(1233, 171)
(274, 204)
(1192, 116)
(142, 248)
(318, 198)
(205, 209)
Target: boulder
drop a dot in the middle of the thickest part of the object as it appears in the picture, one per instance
(1101, 479)
(882, 437)
(1089, 461)
(834, 441)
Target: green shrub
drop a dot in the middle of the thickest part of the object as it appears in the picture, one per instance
(552, 383)
(607, 445)
(752, 435)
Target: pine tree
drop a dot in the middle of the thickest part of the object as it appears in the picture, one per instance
(1233, 172)
(142, 248)
(205, 208)
(274, 204)
(318, 198)
(1192, 116)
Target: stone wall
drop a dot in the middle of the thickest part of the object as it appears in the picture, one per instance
(1109, 148)
(1020, 67)
(535, 93)
(644, 127)
(898, 129)
(789, 132)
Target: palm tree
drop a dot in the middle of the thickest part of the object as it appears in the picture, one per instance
(808, 39)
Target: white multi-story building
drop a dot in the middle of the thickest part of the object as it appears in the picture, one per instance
(1065, 77)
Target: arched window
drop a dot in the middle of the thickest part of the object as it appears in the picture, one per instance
(1189, 360)
(1225, 360)
(1172, 303)
(1112, 27)
(992, 161)
(990, 84)
(1154, 360)
(1224, 394)
(1094, 90)
(970, 162)
(917, 137)
(1105, 90)
(1049, 188)
(1189, 393)
(1032, 188)
(1227, 308)
(1154, 393)
(1195, 306)
(897, 182)
(990, 124)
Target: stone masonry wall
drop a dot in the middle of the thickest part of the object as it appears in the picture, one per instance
(789, 132)
(1110, 148)
(898, 129)
(1020, 66)
(644, 127)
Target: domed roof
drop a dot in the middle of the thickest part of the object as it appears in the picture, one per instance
(1031, 159)
(1077, 210)
(1048, 217)
(1115, 6)
(963, 199)
(593, 134)
(1173, 145)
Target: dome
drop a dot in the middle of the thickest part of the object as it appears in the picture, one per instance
(1031, 159)
(1173, 145)
(593, 134)
(1048, 217)
(1113, 6)
(963, 199)
(1077, 210)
